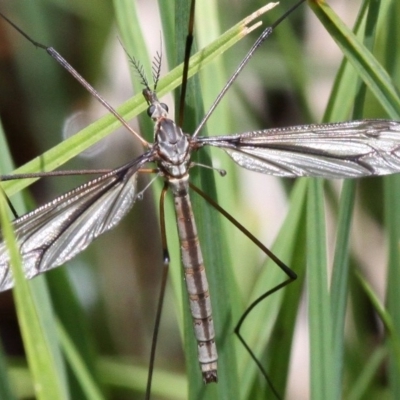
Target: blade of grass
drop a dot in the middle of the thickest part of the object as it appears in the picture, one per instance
(339, 284)
(345, 85)
(278, 312)
(21, 379)
(71, 315)
(392, 215)
(214, 252)
(322, 368)
(35, 313)
(116, 373)
(50, 382)
(360, 389)
(89, 386)
(6, 392)
(368, 68)
(340, 273)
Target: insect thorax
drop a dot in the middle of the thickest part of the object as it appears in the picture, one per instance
(172, 147)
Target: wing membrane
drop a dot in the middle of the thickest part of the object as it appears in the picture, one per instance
(341, 150)
(54, 233)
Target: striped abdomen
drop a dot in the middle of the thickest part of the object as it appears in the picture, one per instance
(196, 280)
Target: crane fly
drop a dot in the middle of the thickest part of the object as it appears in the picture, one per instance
(59, 230)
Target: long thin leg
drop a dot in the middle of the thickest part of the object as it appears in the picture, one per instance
(72, 172)
(64, 63)
(289, 272)
(162, 291)
(244, 343)
(267, 32)
(11, 177)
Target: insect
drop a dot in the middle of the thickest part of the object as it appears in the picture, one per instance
(323, 157)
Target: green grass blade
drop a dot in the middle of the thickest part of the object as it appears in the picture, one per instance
(5, 384)
(342, 99)
(35, 314)
(6, 391)
(48, 377)
(368, 68)
(340, 274)
(391, 58)
(344, 88)
(389, 322)
(214, 252)
(392, 204)
(360, 390)
(89, 386)
(120, 374)
(339, 285)
(20, 379)
(278, 312)
(322, 368)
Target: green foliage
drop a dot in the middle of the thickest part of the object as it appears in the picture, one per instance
(100, 310)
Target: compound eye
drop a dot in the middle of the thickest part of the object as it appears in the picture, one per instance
(150, 110)
(164, 106)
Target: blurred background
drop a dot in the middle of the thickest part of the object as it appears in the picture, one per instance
(116, 280)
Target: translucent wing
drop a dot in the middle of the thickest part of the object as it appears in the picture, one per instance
(54, 233)
(341, 150)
